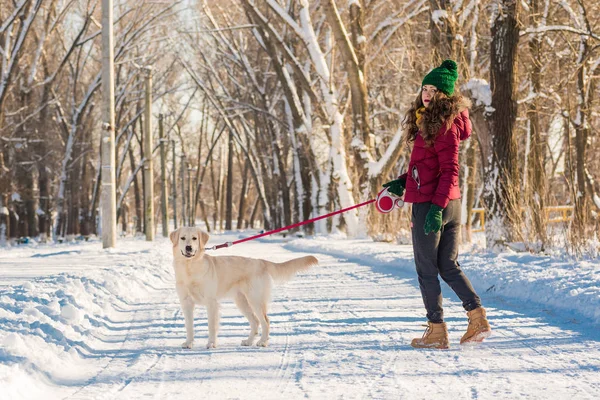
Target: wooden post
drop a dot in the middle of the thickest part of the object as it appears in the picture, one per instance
(174, 185)
(229, 197)
(148, 166)
(183, 202)
(163, 178)
(188, 197)
(108, 194)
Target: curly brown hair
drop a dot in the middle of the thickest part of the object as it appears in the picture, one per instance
(442, 109)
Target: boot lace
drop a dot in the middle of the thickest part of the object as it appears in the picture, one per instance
(427, 330)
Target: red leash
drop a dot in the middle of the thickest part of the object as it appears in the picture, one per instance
(285, 228)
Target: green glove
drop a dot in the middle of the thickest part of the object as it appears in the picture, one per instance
(396, 187)
(433, 220)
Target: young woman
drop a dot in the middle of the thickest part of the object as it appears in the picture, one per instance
(435, 124)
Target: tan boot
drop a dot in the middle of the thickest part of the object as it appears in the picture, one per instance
(435, 337)
(479, 327)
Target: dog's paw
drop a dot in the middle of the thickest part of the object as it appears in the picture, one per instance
(247, 342)
(211, 345)
(188, 344)
(263, 343)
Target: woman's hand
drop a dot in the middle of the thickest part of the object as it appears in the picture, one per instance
(396, 187)
(433, 220)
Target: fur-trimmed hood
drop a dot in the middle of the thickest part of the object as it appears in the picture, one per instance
(445, 110)
(463, 124)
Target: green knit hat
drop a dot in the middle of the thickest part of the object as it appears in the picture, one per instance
(443, 77)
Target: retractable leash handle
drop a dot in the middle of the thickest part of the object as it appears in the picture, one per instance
(386, 201)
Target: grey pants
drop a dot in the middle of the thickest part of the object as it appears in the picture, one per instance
(437, 253)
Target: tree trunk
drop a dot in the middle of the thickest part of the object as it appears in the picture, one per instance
(4, 221)
(4, 192)
(184, 202)
(174, 184)
(442, 26)
(254, 213)
(471, 179)
(222, 195)
(95, 198)
(13, 224)
(44, 219)
(281, 186)
(582, 211)
(32, 204)
(163, 179)
(139, 209)
(44, 214)
(148, 163)
(355, 67)
(502, 208)
(72, 213)
(84, 197)
(535, 162)
(215, 192)
(243, 196)
(229, 200)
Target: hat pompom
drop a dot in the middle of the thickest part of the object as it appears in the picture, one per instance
(449, 65)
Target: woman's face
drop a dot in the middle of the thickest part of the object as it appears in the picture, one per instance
(427, 93)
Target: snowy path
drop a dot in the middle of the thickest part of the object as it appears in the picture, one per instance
(341, 330)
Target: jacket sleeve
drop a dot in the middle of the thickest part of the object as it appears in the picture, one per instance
(403, 176)
(446, 147)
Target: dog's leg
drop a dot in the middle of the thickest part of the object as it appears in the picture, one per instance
(260, 306)
(187, 307)
(242, 303)
(212, 309)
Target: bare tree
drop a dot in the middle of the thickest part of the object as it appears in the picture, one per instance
(502, 206)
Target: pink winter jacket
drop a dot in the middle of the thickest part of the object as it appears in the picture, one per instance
(433, 171)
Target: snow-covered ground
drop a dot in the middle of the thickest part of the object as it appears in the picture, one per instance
(79, 322)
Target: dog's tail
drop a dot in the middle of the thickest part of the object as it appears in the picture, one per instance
(286, 270)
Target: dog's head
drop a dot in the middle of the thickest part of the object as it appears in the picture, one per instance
(188, 242)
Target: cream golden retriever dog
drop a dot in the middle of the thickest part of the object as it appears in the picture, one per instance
(204, 280)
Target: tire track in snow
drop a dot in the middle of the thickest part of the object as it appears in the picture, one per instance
(78, 393)
(392, 291)
(387, 366)
(161, 355)
(290, 356)
(334, 280)
(540, 358)
(284, 363)
(114, 364)
(131, 379)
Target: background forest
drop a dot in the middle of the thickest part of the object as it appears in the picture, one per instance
(272, 112)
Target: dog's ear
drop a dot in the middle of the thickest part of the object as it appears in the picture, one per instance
(174, 236)
(204, 236)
